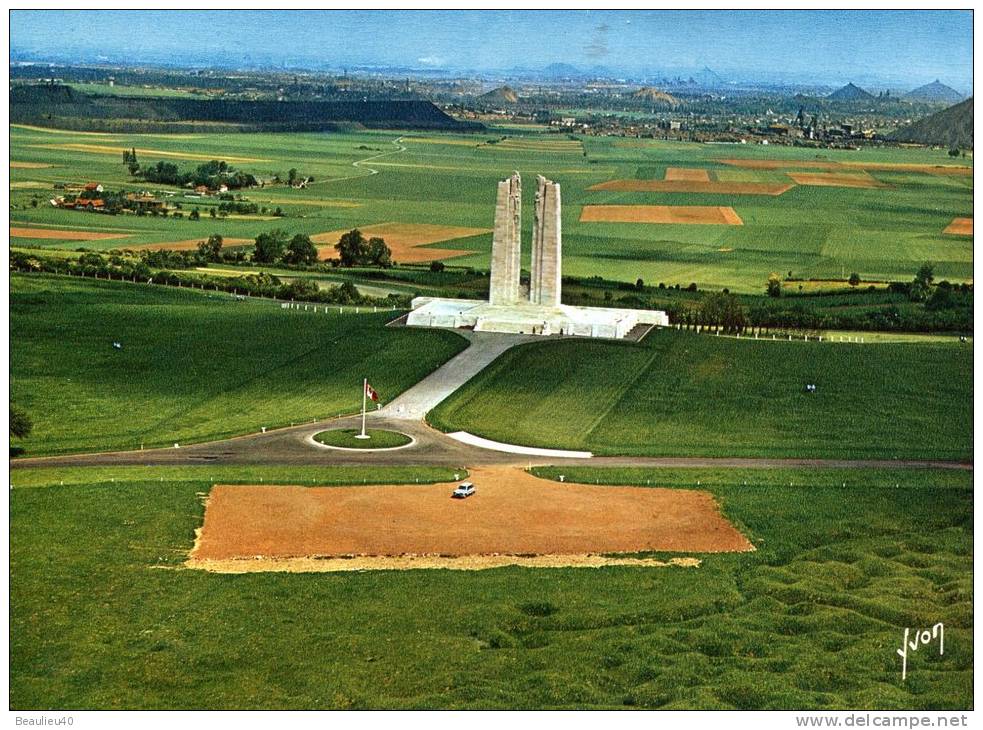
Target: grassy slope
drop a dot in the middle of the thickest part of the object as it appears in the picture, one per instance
(684, 394)
(811, 619)
(216, 474)
(378, 438)
(811, 231)
(193, 366)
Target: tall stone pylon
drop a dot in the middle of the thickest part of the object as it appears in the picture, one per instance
(547, 244)
(506, 242)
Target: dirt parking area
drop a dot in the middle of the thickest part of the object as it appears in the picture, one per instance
(677, 214)
(512, 513)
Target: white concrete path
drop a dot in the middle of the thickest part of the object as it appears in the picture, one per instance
(471, 440)
(414, 404)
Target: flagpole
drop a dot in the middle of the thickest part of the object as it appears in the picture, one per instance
(365, 387)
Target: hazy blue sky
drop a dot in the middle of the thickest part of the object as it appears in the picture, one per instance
(915, 46)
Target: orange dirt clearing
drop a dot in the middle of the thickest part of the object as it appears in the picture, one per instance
(405, 240)
(960, 227)
(512, 513)
(686, 214)
(62, 234)
(687, 173)
(189, 245)
(692, 186)
(836, 179)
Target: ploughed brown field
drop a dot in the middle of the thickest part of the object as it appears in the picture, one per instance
(870, 166)
(512, 513)
(677, 214)
(100, 149)
(62, 234)
(960, 227)
(188, 245)
(837, 179)
(694, 186)
(404, 240)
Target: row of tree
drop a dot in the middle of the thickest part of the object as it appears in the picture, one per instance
(921, 289)
(261, 284)
(279, 247)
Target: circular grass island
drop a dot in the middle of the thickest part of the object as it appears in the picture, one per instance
(345, 438)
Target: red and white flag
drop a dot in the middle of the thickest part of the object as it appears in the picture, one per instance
(370, 392)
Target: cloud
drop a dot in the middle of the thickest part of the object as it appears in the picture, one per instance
(431, 60)
(598, 46)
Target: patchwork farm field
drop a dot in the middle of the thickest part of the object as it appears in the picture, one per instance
(193, 366)
(104, 616)
(683, 394)
(818, 214)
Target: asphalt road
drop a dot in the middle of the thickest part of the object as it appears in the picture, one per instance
(293, 446)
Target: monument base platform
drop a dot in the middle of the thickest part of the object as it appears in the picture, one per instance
(531, 319)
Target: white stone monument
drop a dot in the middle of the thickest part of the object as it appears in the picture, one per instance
(542, 313)
(544, 283)
(506, 264)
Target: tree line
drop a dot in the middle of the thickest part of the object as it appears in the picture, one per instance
(260, 284)
(211, 174)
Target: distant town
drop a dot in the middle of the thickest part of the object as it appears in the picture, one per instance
(704, 107)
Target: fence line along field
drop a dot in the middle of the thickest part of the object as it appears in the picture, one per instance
(192, 366)
(883, 230)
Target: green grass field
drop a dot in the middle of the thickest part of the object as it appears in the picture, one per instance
(818, 232)
(103, 616)
(347, 438)
(193, 366)
(683, 394)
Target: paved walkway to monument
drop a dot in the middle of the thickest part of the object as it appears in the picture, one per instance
(290, 447)
(416, 402)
